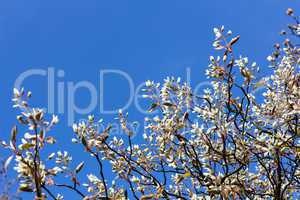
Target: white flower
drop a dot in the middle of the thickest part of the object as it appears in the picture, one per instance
(218, 33)
(149, 83)
(270, 58)
(74, 140)
(16, 93)
(75, 128)
(93, 179)
(51, 156)
(59, 197)
(54, 119)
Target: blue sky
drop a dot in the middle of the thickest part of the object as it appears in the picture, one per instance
(145, 39)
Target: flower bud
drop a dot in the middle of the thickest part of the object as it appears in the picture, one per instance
(289, 12)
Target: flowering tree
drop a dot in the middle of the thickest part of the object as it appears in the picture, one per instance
(229, 143)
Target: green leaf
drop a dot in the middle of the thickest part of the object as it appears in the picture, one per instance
(26, 146)
(42, 134)
(153, 107)
(83, 141)
(79, 167)
(169, 104)
(14, 134)
(25, 188)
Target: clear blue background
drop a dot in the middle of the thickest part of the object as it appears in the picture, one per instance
(146, 39)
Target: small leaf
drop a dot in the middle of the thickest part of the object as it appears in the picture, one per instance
(26, 146)
(51, 156)
(25, 188)
(50, 140)
(153, 107)
(39, 116)
(7, 162)
(225, 56)
(42, 134)
(168, 104)
(186, 116)
(187, 174)
(147, 197)
(219, 47)
(79, 167)
(180, 179)
(83, 141)
(4, 144)
(14, 134)
(234, 40)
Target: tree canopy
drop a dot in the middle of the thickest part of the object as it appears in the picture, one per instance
(240, 139)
